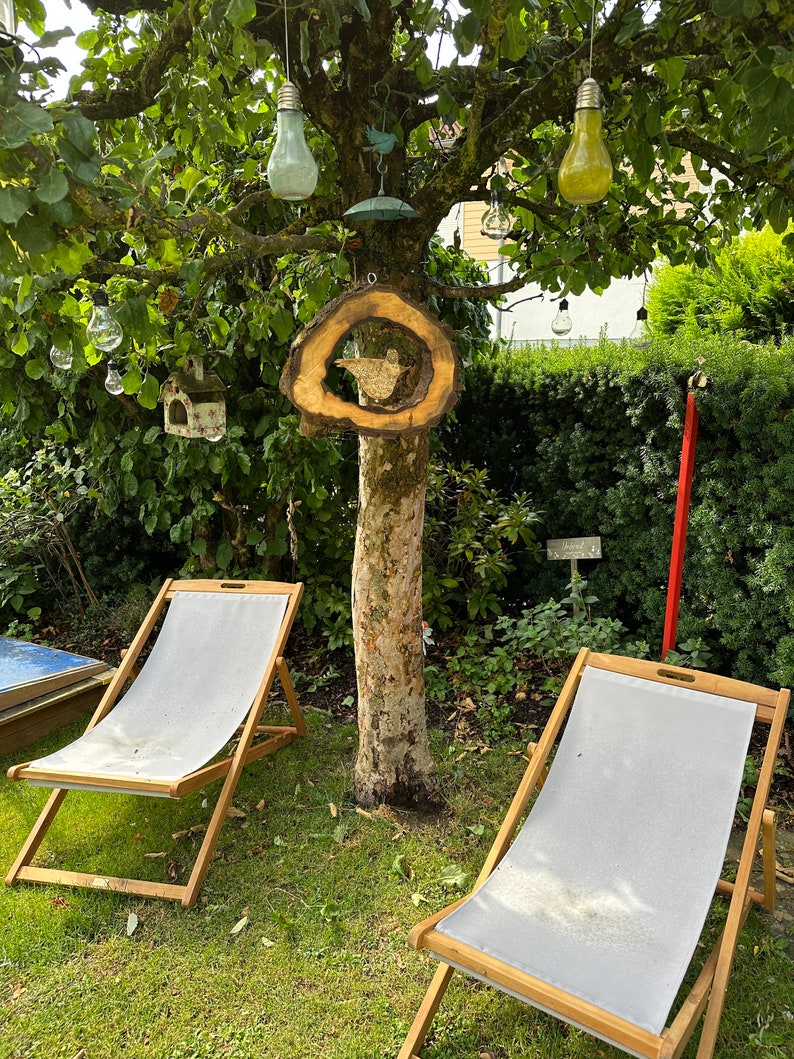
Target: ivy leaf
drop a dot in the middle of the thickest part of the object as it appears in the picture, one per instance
(23, 120)
(240, 11)
(14, 203)
(34, 237)
(223, 554)
(53, 187)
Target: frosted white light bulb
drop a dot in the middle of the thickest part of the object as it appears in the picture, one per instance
(8, 18)
(61, 358)
(113, 383)
(103, 330)
(496, 222)
(213, 437)
(562, 324)
(641, 334)
(291, 170)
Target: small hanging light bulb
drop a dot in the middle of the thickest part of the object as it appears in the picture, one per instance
(113, 383)
(496, 222)
(291, 171)
(585, 173)
(562, 324)
(641, 333)
(61, 358)
(103, 330)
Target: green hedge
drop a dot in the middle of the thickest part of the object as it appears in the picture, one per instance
(594, 435)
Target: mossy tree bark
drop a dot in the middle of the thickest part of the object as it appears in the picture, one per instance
(394, 763)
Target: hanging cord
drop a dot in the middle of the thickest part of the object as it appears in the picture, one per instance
(592, 34)
(286, 41)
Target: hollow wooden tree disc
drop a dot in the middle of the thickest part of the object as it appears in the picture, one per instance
(303, 379)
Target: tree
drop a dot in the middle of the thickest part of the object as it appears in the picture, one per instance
(149, 179)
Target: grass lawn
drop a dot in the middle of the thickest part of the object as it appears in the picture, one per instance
(298, 944)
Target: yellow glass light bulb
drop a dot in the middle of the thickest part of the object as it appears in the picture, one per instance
(585, 173)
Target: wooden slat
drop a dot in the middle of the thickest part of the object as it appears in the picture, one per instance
(566, 1005)
(102, 882)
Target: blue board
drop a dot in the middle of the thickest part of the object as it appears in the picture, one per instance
(28, 670)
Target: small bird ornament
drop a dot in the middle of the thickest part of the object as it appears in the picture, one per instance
(376, 376)
(381, 142)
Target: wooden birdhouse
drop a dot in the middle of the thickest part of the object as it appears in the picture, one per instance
(193, 402)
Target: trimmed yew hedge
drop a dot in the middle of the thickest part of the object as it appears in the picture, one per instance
(595, 433)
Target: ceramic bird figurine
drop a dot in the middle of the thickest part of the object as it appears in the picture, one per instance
(377, 376)
(382, 142)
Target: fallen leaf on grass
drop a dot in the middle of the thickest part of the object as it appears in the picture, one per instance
(260, 805)
(132, 924)
(333, 810)
(241, 924)
(196, 829)
(155, 854)
(238, 814)
(363, 812)
(267, 943)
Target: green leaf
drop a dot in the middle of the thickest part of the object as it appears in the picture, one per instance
(240, 11)
(132, 924)
(53, 187)
(728, 8)
(514, 43)
(14, 203)
(33, 236)
(223, 554)
(453, 877)
(35, 369)
(148, 395)
(79, 131)
(22, 121)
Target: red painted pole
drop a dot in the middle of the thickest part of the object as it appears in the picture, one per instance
(681, 522)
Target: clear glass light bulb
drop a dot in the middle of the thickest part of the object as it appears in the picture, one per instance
(113, 383)
(585, 172)
(496, 222)
(562, 323)
(103, 330)
(61, 358)
(291, 170)
(641, 334)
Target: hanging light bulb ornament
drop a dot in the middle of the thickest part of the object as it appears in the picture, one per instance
(496, 222)
(113, 383)
(60, 358)
(103, 330)
(292, 170)
(562, 324)
(641, 334)
(585, 173)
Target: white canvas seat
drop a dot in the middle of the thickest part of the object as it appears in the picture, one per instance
(594, 910)
(206, 677)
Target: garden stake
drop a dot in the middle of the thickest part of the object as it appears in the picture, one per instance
(699, 381)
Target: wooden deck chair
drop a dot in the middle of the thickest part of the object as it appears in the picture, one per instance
(594, 910)
(208, 676)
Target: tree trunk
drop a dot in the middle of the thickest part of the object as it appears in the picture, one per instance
(394, 763)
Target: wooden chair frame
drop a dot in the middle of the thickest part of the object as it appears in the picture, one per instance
(708, 993)
(231, 767)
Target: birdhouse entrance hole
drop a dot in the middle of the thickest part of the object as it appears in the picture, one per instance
(177, 413)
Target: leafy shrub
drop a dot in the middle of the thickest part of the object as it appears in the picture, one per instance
(595, 434)
(748, 293)
(470, 535)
